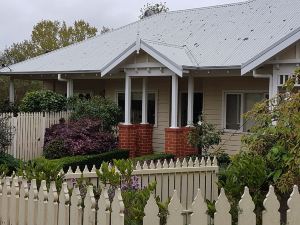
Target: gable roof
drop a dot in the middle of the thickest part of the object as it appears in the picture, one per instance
(238, 35)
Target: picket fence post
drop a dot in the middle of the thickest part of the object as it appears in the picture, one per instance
(42, 204)
(175, 209)
(103, 214)
(23, 210)
(6, 202)
(222, 215)
(151, 212)
(199, 208)
(246, 213)
(52, 211)
(89, 213)
(33, 203)
(14, 202)
(117, 206)
(63, 211)
(271, 215)
(293, 215)
(76, 208)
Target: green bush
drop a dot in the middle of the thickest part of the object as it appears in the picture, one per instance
(5, 134)
(8, 163)
(246, 169)
(55, 149)
(89, 160)
(43, 101)
(97, 108)
(154, 157)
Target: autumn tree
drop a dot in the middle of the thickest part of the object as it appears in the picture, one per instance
(151, 9)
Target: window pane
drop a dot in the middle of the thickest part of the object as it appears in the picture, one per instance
(136, 107)
(250, 100)
(233, 111)
(151, 108)
(198, 101)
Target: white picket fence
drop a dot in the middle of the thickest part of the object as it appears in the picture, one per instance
(22, 203)
(186, 176)
(29, 130)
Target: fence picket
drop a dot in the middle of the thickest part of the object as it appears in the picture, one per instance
(52, 211)
(42, 204)
(175, 209)
(103, 213)
(293, 215)
(23, 210)
(33, 203)
(6, 202)
(14, 202)
(151, 212)
(222, 215)
(117, 206)
(271, 215)
(246, 215)
(89, 213)
(63, 209)
(199, 208)
(76, 208)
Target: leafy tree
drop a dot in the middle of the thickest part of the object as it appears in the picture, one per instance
(151, 9)
(46, 36)
(5, 134)
(276, 135)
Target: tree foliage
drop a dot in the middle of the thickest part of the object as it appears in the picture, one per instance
(47, 36)
(5, 134)
(276, 135)
(151, 9)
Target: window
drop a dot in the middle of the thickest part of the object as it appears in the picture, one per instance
(198, 102)
(236, 104)
(136, 107)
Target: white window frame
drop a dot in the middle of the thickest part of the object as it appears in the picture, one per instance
(140, 91)
(242, 93)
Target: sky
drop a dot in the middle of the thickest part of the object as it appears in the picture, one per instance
(17, 17)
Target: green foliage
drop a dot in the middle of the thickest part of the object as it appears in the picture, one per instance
(276, 136)
(5, 134)
(43, 101)
(246, 169)
(89, 160)
(8, 164)
(55, 149)
(203, 136)
(47, 36)
(154, 157)
(98, 108)
(41, 169)
(150, 9)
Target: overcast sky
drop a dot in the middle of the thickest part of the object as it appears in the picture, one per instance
(17, 17)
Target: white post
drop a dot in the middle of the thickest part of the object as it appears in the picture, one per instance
(190, 108)
(70, 88)
(127, 99)
(11, 91)
(144, 102)
(174, 109)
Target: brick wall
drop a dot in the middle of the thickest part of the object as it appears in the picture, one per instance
(136, 138)
(176, 142)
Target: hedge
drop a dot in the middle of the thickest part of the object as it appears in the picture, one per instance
(154, 157)
(89, 160)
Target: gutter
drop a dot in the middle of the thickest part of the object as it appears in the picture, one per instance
(61, 79)
(265, 76)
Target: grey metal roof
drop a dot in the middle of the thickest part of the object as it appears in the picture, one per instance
(220, 36)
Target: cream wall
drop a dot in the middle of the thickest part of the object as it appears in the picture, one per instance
(213, 94)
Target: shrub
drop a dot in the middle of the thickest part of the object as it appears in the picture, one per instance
(246, 169)
(203, 136)
(8, 164)
(80, 137)
(154, 157)
(97, 108)
(89, 160)
(5, 134)
(43, 101)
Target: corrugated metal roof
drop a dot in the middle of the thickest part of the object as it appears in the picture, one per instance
(219, 36)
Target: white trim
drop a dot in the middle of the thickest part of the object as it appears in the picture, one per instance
(242, 93)
(271, 51)
(127, 100)
(70, 88)
(145, 101)
(116, 61)
(178, 70)
(174, 102)
(11, 90)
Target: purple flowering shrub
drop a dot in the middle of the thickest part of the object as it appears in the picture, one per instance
(82, 137)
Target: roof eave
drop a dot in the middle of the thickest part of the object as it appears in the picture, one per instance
(271, 51)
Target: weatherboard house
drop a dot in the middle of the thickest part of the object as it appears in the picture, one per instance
(168, 69)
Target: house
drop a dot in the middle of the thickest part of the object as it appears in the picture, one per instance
(168, 69)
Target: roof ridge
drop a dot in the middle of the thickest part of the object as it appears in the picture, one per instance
(163, 43)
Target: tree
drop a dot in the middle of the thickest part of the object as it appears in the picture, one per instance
(46, 36)
(151, 9)
(5, 134)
